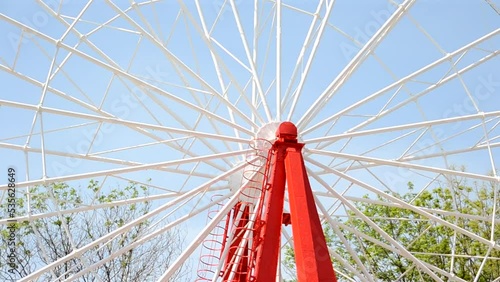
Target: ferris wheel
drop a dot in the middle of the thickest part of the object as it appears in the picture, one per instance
(185, 99)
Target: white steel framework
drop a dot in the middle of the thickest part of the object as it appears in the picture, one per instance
(392, 102)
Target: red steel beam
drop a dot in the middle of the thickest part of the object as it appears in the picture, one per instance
(270, 234)
(311, 252)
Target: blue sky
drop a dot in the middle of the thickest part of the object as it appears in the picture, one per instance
(137, 70)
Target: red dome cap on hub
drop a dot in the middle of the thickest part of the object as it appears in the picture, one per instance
(287, 131)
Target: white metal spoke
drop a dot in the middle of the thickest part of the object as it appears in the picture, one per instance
(128, 169)
(255, 75)
(159, 110)
(174, 58)
(378, 161)
(300, 57)
(131, 224)
(278, 59)
(119, 121)
(146, 238)
(33, 217)
(124, 74)
(100, 159)
(305, 72)
(420, 154)
(91, 107)
(355, 62)
(223, 212)
(344, 240)
(379, 230)
(403, 127)
(403, 204)
(415, 74)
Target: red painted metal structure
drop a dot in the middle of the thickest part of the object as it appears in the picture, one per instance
(258, 259)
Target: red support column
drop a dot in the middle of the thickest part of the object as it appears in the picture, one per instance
(270, 233)
(311, 252)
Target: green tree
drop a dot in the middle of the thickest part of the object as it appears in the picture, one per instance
(469, 206)
(54, 233)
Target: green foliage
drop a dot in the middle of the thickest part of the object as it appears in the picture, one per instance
(430, 242)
